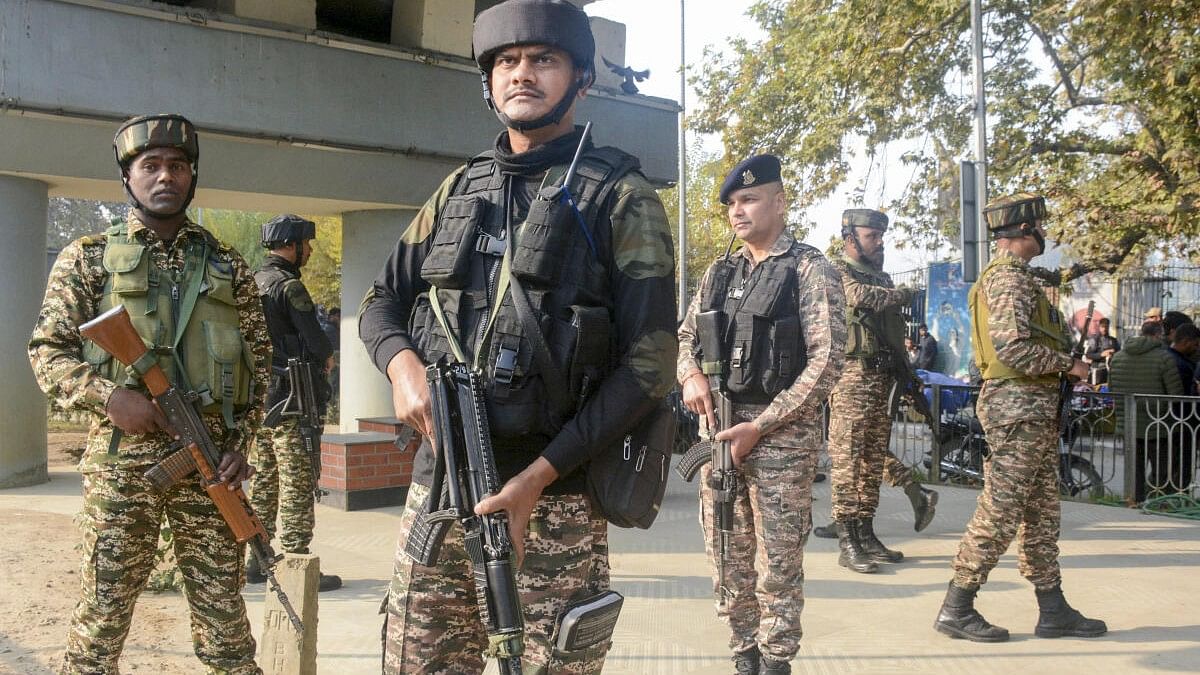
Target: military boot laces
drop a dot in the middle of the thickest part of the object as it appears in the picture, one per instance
(959, 619)
(826, 531)
(1058, 619)
(874, 548)
(772, 667)
(254, 573)
(852, 555)
(924, 505)
(746, 663)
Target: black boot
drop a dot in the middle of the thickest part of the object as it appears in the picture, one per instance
(772, 667)
(826, 531)
(1058, 619)
(959, 620)
(874, 548)
(329, 582)
(746, 663)
(924, 505)
(852, 555)
(254, 573)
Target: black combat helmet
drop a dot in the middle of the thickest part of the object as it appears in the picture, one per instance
(557, 23)
(286, 229)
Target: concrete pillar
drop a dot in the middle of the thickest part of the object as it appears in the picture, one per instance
(610, 44)
(297, 13)
(367, 239)
(437, 25)
(23, 205)
(284, 652)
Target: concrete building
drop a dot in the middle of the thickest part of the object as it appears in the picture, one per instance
(292, 117)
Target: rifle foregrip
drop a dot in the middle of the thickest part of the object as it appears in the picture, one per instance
(425, 538)
(697, 456)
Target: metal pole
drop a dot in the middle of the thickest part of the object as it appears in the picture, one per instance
(683, 291)
(984, 252)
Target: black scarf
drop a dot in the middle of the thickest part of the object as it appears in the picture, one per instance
(558, 151)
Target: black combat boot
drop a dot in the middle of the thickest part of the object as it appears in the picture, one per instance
(329, 582)
(826, 531)
(852, 555)
(746, 663)
(874, 548)
(924, 505)
(959, 620)
(254, 573)
(772, 667)
(1058, 619)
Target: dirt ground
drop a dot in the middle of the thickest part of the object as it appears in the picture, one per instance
(39, 575)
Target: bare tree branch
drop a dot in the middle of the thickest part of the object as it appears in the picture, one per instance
(922, 34)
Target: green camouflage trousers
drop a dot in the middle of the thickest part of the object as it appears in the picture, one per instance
(433, 623)
(764, 567)
(1020, 495)
(859, 430)
(283, 485)
(120, 522)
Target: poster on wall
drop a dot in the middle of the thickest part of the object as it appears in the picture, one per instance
(948, 319)
(1089, 288)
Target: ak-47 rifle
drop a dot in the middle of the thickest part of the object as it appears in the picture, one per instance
(113, 332)
(301, 403)
(724, 479)
(465, 475)
(1065, 385)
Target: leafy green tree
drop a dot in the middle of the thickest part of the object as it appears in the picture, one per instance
(323, 273)
(69, 219)
(707, 226)
(1094, 103)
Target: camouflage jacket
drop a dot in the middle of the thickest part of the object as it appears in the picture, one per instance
(875, 296)
(1011, 293)
(640, 268)
(823, 322)
(73, 294)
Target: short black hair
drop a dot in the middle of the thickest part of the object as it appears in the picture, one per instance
(1187, 331)
(1152, 329)
(923, 326)
(1173, 319)
(1104, 320)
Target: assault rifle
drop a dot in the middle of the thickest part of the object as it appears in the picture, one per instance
(463, 476)
(1065, 385)
(724, 479)
(301, 403)
(113, 332)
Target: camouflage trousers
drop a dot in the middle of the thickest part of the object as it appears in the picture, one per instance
(1019, 497)
(761, 594)
(859, 430)
(896, 473)
(120, 521)
(433, 622)
(283, 485)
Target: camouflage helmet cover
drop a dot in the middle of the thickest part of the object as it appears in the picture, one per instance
(287, 228)
(1014, 210)
(876, 220)
(139, 134)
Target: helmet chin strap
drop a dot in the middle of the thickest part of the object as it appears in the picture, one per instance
(553, 117)
(137, 205)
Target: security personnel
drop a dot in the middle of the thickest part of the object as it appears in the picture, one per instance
(285, 483)
(193, 300)
(860, 423)
(898, 474)
(1021, 348)
(601, 284)
(785, 342)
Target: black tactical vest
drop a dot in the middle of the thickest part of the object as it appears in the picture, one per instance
(562, 260)
(285, 340)
(763, 339)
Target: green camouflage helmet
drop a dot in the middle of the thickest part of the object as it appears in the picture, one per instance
(142, 133)
(1014, 210)
(876, 220)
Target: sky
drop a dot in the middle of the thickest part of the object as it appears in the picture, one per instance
(652, 41)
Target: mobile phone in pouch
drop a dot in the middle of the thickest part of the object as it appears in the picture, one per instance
(588, 622)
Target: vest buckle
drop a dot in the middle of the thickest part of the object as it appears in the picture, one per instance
(735, 358)
(489, 245)
(506, 365)
(737, 292)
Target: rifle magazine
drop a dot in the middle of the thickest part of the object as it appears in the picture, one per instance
(174, 468)
(697, 456)
(426, 535)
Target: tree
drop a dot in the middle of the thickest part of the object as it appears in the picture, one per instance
(1094, 103)
(707, 226)
(70, 219)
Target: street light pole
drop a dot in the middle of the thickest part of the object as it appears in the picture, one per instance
(984, 253)
(682, 257)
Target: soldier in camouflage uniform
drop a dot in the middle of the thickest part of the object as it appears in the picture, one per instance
(785, 343)
(285, 483)
(1021, 348)
(860, 422)
(601, 283)
(193, 300)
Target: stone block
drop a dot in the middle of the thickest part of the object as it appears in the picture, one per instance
(610, 44)
(295, 13)
(434, 25)
(283, 651)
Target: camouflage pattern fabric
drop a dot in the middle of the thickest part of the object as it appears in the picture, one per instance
(896, 473)
(859, 429)
(283, 485)
(155, 131)
(1022, 207)
(433, 622)
(120, 518)
(764, 568)
(132, 521)
(1020, 494)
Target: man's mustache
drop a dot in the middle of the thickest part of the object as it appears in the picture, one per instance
(523, 92)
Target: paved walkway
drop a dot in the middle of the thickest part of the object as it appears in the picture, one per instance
(1137, 572)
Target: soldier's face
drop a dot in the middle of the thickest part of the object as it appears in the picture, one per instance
(529, 80)
(758, 214)
(871, 241)
(160, 179)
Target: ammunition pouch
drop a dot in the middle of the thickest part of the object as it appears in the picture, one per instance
(543, 238)
(448, 264)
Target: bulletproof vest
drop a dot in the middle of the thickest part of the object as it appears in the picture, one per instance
(190, 320)
(763, 341)
(559, 254)
(285, 339)
(1046, 324)
(870, 333)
